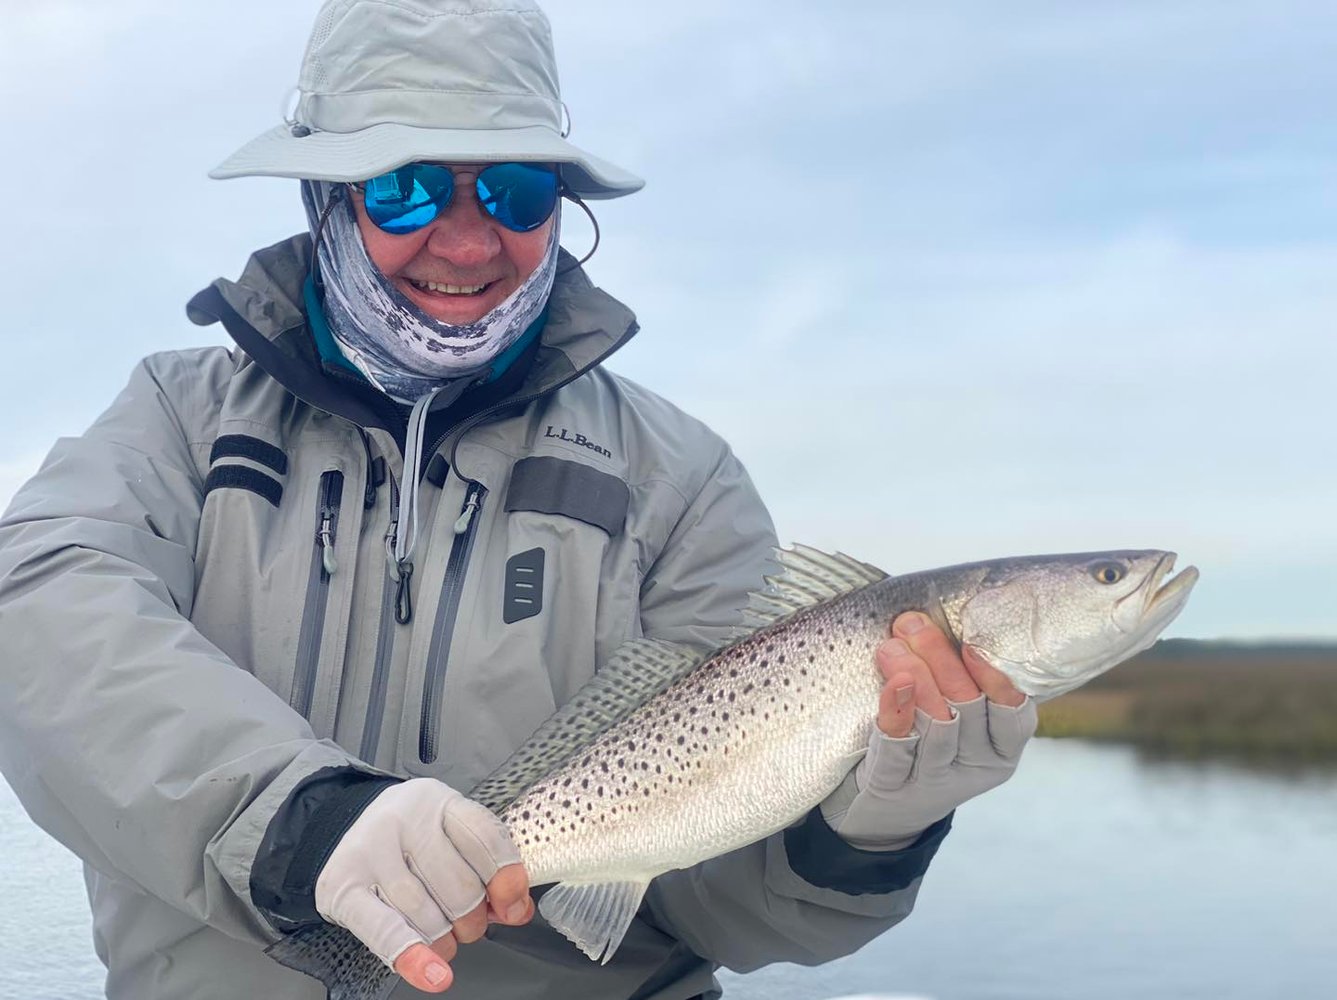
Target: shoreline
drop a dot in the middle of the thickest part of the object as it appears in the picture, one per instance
(1259, 704)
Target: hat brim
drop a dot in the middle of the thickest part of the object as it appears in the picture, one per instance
(378, 149)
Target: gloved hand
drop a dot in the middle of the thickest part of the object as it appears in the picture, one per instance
(415, 870)
(949, 727)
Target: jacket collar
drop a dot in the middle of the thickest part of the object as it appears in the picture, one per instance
(263, 312)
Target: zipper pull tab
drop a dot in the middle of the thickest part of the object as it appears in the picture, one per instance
(326, 537)
(403, 573)
(471, 505)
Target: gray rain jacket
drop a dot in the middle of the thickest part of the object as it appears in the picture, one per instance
(197, 620)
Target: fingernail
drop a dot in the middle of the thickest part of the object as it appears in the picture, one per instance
(911, 623)
(905, 695)
(436, 973)
(896, 647)
(517, 912)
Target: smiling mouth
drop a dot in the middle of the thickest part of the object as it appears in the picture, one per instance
(445, 291)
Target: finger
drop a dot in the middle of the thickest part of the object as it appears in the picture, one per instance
(473, 925)
(989, 679)
(493, 917)
(376, 924)
(482, 840)
(447, 877)
(508, 895)
(446, 948)
(932, 646)
(410, 897)
(939, 745)
(423, 969)
(974, 743)
(1010, 727)
(894, 656)
(896, 706)
(889, 763)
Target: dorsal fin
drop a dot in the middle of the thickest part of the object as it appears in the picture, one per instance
(808, 576)
(637, 671)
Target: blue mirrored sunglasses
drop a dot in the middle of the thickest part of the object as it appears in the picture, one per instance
(521, 196)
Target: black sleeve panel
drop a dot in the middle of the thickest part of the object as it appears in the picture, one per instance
(300, 839)
(821, 858)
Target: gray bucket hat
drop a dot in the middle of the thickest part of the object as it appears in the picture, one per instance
(387, 82)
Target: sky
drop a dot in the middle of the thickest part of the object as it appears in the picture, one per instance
(956, 281)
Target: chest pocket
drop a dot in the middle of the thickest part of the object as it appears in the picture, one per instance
(568, 577)
(554, 486)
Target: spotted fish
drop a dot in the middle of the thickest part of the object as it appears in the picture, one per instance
(668, 758)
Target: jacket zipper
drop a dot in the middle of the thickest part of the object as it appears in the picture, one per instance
(393, 591)
(323, 566)
(452, 589)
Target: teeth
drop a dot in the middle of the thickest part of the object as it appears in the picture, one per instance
(433, 286)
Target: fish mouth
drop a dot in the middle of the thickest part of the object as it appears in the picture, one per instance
(1163, 602)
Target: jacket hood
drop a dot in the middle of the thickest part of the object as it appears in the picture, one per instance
(263, 313)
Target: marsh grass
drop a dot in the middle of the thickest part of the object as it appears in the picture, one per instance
(1274, 704)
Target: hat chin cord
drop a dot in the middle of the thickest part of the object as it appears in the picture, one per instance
(572, 196)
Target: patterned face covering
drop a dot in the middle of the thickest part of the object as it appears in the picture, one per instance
(400, 349)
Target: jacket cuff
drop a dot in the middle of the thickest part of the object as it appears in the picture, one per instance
(302, 836)
(819, 856)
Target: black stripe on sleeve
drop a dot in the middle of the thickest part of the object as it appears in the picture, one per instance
(821, 858)
(245, 446)
(243, 477)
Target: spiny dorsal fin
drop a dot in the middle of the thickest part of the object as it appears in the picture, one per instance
(808, 576)
(637, 671)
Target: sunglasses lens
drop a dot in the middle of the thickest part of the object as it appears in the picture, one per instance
(409, 198)
(521, 196)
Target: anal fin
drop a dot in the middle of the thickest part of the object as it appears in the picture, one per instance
(594, 916)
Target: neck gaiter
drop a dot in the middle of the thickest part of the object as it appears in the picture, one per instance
(400, 349)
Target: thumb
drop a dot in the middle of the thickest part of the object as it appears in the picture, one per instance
(424, 969)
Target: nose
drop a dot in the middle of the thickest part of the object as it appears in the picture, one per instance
(464, 234)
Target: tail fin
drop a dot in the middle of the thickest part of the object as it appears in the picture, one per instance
(339, 960)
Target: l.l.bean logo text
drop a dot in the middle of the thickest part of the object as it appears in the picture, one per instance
(579, 440)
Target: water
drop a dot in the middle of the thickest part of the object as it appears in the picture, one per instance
(1090, 876)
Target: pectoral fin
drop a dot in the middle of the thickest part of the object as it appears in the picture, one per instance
(595, 917)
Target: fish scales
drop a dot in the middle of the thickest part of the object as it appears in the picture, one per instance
(749, 741)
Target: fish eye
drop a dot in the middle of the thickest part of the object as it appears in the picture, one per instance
(1108, 572)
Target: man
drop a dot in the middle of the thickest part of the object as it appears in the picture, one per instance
(270, 615)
